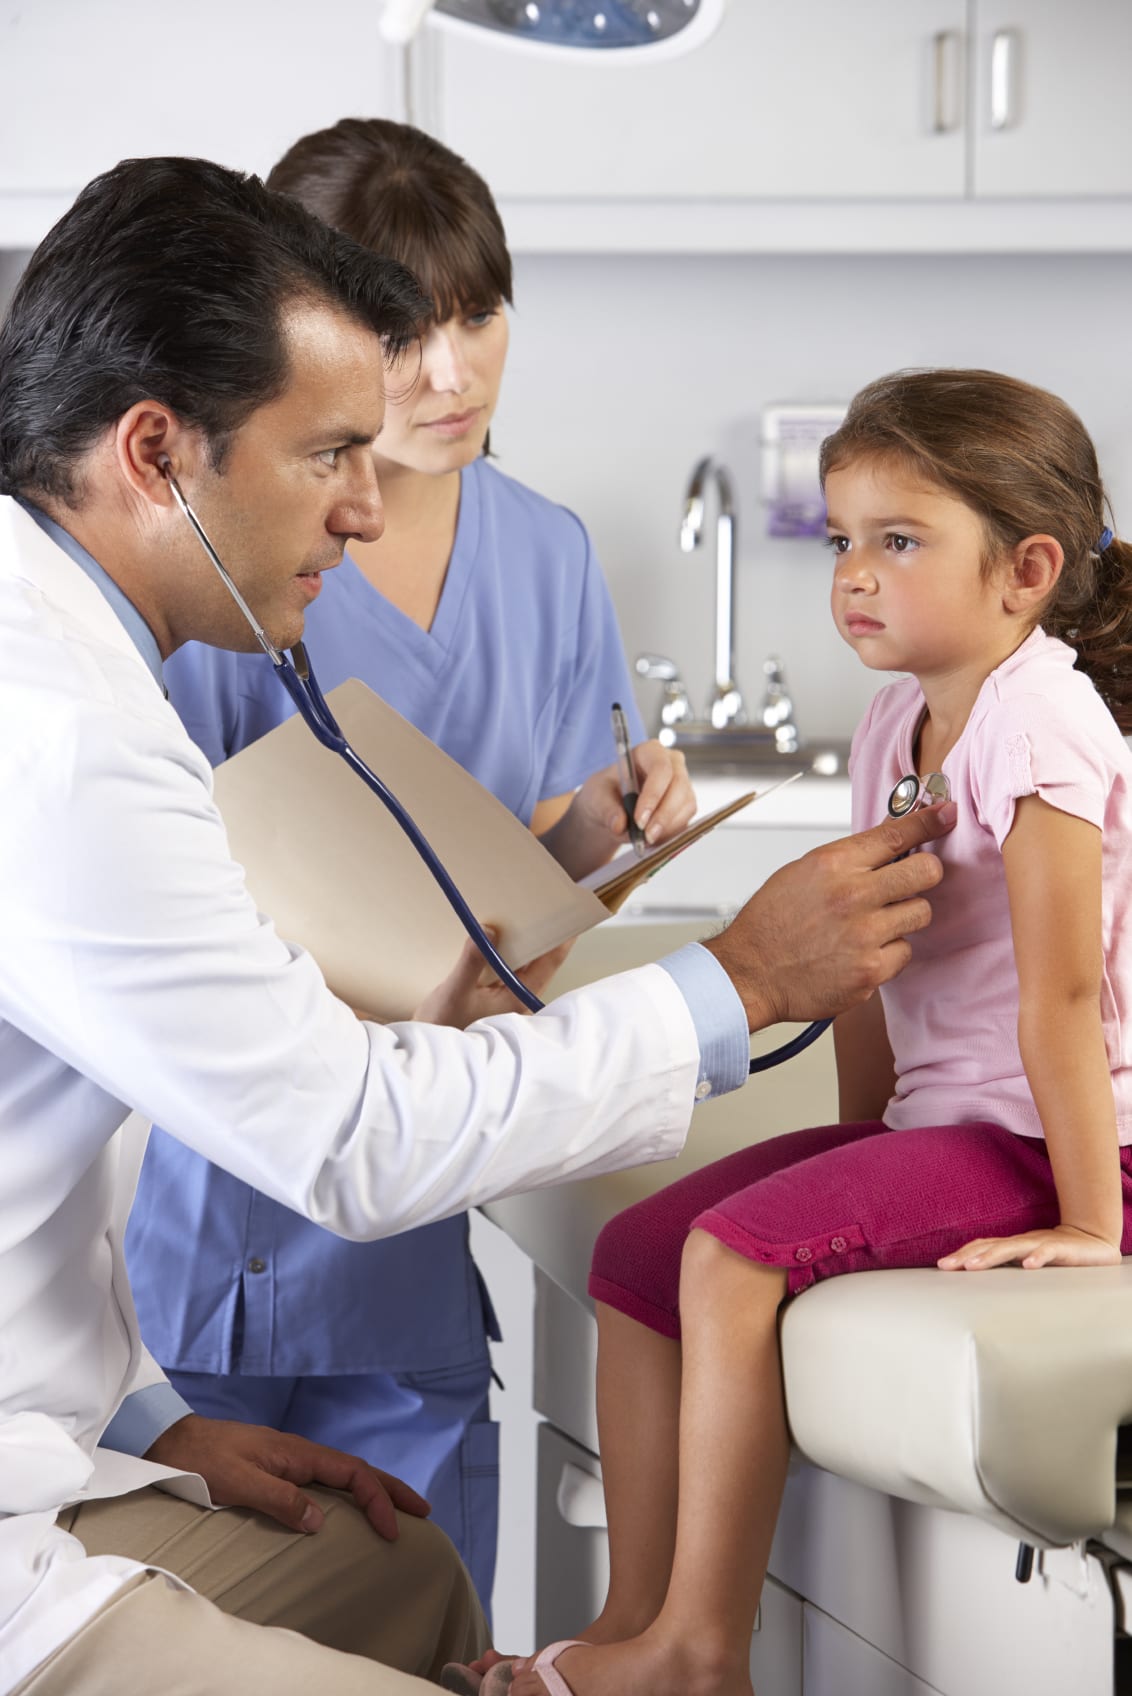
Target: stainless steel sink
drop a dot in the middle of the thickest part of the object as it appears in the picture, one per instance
(751, 748)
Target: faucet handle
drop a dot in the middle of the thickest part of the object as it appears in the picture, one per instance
(778, 709)
(675, 707)
(655, 666)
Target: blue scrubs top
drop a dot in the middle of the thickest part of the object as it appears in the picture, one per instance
(514, 680)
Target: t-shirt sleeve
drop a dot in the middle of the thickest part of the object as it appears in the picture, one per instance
(225, 700)
(1031, 745)
(593, 674)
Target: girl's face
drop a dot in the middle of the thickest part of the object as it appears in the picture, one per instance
(439, 424)
(909, 592)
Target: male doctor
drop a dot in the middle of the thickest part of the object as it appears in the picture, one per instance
(182, 319)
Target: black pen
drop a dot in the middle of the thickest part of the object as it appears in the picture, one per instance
(628, 779)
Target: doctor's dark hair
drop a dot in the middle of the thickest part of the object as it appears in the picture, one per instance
(169, 279)
(1023, 461)
(402, 193)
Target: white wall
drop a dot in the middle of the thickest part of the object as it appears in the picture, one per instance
(625, 370)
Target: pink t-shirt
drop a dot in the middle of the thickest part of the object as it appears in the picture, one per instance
(1037, 728)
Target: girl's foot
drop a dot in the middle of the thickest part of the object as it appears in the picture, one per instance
(644, 1666)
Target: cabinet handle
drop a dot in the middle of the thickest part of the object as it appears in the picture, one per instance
(580, 1498)
(946, 44)
(1005, 50)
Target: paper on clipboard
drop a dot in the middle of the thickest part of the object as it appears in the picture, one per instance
(330, 865)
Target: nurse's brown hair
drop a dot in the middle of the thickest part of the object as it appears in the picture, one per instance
(1023, 460)
(404, 195)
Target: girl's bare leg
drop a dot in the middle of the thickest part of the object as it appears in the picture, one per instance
(733, 1449)
(638, 1418)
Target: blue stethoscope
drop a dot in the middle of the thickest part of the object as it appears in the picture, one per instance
(299, 680)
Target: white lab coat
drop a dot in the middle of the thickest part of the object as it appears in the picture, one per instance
(135, 973)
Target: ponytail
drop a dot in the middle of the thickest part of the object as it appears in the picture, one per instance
(1092, 611)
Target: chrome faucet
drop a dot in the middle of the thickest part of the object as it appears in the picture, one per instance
(726, 702)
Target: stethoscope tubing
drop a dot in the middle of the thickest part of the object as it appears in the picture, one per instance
(313, 708)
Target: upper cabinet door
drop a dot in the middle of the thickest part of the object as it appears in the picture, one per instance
(1052, 114)
(807, 99)
(89, 82)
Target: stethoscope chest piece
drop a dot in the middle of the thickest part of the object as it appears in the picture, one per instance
(910, 793)
(903, 797)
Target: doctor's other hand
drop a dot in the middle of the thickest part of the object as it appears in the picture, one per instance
(250, 1466)
(825, 931)
(472, 991)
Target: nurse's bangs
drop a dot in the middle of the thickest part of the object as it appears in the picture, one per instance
(462, 264)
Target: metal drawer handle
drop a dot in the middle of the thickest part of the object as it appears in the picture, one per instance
(946, 57)
(581, 1499)
(1005, 53)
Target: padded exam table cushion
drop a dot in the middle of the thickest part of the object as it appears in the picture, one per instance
(995, 1393)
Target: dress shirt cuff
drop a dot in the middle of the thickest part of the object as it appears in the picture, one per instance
(719, 1018)
(142, 1417)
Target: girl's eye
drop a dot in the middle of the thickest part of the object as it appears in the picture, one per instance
(478, 319)
(837, 544)
(902, 544)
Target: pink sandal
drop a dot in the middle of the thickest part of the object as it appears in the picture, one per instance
(543, 1664)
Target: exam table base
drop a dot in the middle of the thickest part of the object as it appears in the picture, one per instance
(867, 1595)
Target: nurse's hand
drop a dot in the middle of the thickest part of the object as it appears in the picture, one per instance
(472, 991)
(825, 931)
(594, 825)
(250, 1466)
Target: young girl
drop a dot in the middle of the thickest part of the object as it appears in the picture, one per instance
(969, 540)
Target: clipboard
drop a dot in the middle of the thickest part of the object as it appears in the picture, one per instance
(337, 875)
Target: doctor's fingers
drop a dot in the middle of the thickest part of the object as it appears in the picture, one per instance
(890, 840)
(378, 1494)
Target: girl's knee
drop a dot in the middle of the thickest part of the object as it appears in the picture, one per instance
(709, 1265)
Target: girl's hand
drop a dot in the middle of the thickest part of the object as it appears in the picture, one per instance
(472, 991)
(1064, 1245)
(666, 801)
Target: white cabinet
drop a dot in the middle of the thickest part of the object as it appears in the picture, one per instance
(810, 99)
(89, 82)
(813, 126)
(1051, 113)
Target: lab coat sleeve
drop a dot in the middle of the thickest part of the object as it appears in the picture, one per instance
(139, 959)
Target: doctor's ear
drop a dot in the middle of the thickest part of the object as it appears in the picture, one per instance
(1032, 570)
(149, 442)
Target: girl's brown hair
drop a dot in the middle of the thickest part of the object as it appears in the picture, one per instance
(402, 194)
(1023, 461)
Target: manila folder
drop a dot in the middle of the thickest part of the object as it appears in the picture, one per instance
(330, 865)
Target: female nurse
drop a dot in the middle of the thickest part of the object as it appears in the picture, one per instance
(481, 614)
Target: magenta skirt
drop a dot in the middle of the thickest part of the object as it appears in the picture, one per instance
(840, 1198)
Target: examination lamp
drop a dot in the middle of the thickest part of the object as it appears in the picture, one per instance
(620, 30)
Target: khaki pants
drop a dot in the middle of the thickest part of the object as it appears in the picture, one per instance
(357, 1600)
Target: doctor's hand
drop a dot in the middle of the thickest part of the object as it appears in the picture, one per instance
(825, 931)
(250, 1466)
(472, 991)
